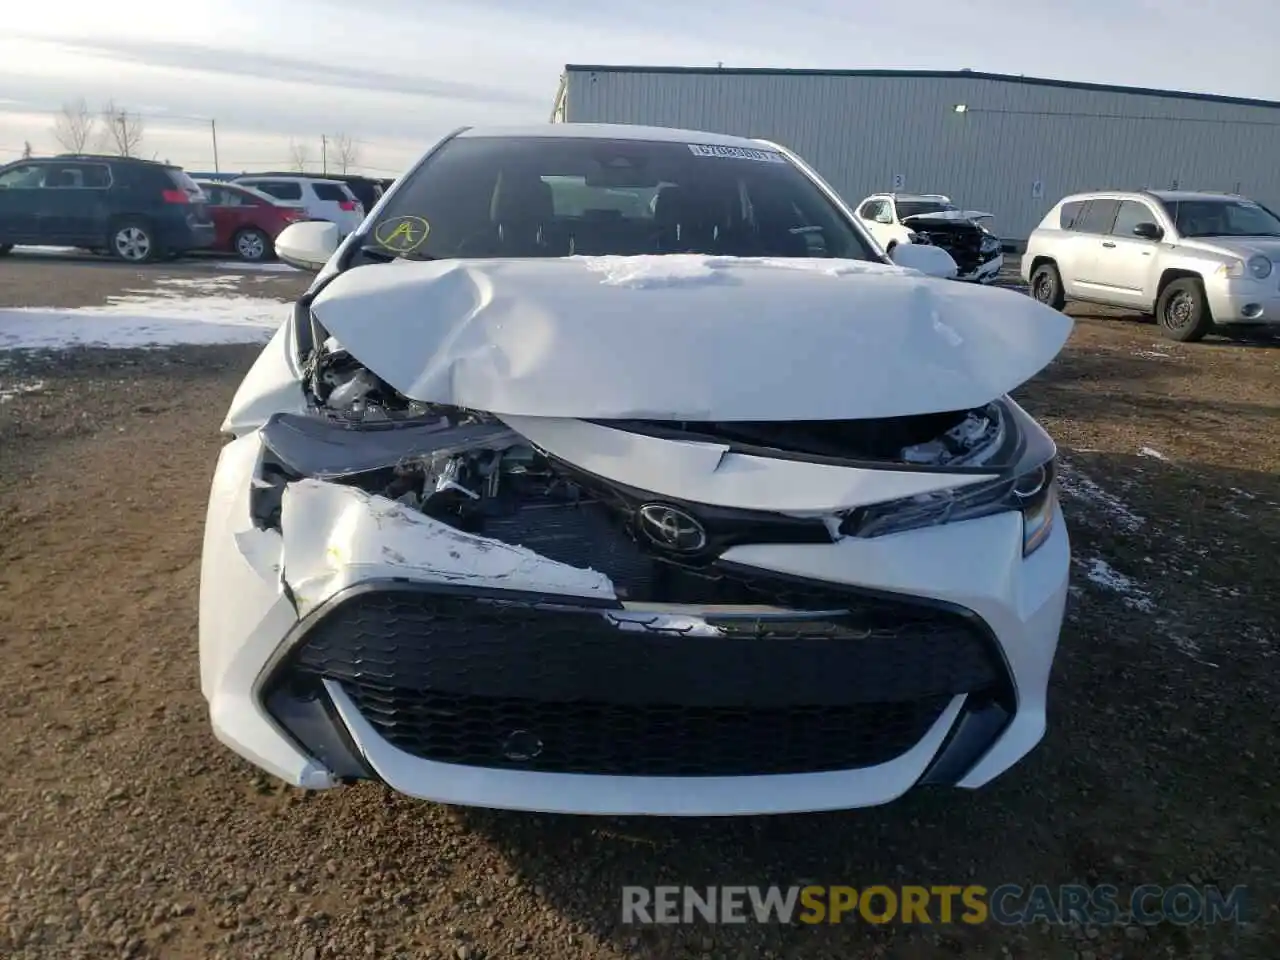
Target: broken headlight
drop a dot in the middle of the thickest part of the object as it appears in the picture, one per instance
(1030, 488)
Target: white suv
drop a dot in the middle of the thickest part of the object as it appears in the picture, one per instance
(330, 200)
(1192, 259)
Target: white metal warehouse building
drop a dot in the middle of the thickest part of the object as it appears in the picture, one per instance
(1008, 145)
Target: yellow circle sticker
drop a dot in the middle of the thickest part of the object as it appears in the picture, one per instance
(402, 234)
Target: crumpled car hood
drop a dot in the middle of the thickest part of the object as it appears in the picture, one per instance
(949, 216)
(687, 337)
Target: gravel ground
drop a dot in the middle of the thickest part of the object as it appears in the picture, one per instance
(129, 831)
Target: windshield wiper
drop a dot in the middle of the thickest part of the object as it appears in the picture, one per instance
(375, 251)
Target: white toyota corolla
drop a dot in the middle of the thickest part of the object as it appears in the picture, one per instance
(615, 470)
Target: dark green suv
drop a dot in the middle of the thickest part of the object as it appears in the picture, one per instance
(135, 210)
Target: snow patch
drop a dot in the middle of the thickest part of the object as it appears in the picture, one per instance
(10, 390)
(1102, 574)
(1079, 487)
(158, 318)
(270, 266)
(1184, 644)
(1153, 454)
(688, 269)
(651, 271)
(45, 251)
(1152, 355)
(185, 285)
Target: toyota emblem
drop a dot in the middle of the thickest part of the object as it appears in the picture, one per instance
(671, 528)
(520, 746)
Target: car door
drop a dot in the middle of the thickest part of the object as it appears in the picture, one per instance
(59, 202)
(878, 219)
(1126, 263)
(20, 187)
(1091, 229)
(223, 215)
(82, 202)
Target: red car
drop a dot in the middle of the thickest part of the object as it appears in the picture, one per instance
(246, 221)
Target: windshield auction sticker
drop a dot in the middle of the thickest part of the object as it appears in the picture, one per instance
(735, 153)
(402, 234)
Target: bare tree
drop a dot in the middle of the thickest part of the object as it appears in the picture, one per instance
(123, 130)
(345, 152)
(299, 156)
(73, 125)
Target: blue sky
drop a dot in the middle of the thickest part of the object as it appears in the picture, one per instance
(395, 74)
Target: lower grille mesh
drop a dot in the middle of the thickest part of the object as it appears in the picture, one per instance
(492, 682)
(654, 740)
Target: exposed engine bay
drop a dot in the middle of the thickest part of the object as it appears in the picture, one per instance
(471, 471)
(342, 388)
(970, 244)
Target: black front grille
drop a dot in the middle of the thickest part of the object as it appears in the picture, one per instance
(501, 680)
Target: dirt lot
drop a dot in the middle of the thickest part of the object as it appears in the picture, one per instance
(127, 830)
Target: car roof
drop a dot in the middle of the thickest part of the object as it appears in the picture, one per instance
(201, 182)
(615, 131)
(284, 176)
(1174, 196)
(1166, 196)
(347, 178)
(921, 196)
(1109, 195)
(109, 158)
(940, 198)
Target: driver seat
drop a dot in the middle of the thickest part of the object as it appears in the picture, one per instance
(523, 214)
(684, 222)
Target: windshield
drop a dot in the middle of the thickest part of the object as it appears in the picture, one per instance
(561, 196)
(1223, 218)
(914, 208)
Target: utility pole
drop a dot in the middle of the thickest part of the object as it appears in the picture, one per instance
(324, 153)
(213, 129)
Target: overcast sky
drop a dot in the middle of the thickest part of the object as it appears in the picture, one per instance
(396, 74)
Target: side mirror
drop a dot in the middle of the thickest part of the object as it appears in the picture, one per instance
(307, 245)
(1147, 231)
(926, 258)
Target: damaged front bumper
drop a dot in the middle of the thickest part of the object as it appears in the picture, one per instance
(363, 639)
(985, 272)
